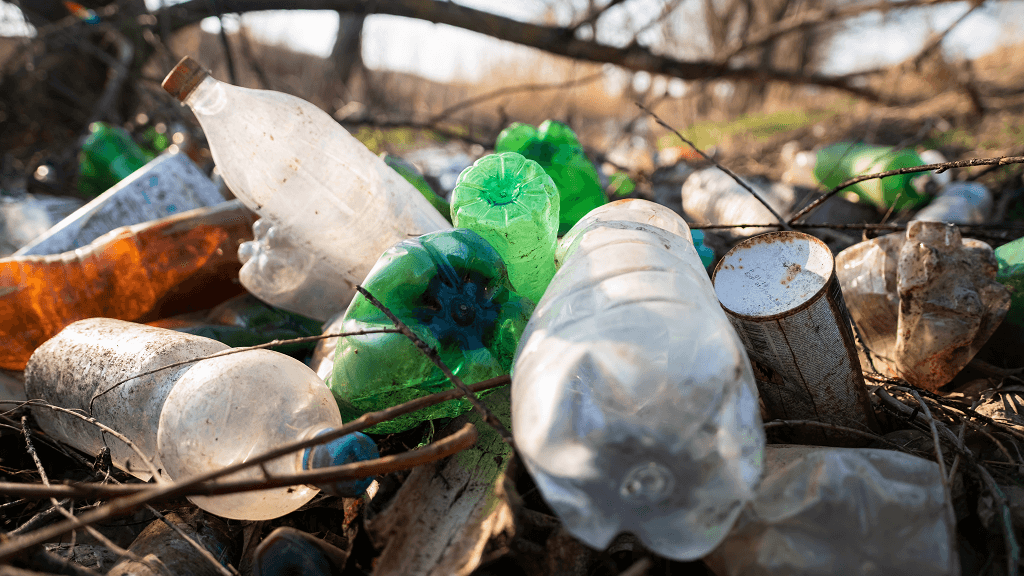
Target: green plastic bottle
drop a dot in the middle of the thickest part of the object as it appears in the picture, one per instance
(451, 288)
(108, 156)
(555, 147)
(513, 204)
(1010, 258)
(413, 176)
(839, 162)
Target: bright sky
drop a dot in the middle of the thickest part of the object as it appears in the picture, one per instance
(444, 53)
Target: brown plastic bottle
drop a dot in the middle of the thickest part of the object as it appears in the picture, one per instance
(170, 266)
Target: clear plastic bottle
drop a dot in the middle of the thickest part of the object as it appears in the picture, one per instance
(319, 188)
(190, 419)
(711, 196)
(513, 204)
(634, 405)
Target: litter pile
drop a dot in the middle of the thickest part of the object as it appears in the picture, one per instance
(322, 365)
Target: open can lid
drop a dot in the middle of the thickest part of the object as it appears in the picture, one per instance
(184, 77)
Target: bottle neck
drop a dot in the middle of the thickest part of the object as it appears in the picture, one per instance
(208, 98)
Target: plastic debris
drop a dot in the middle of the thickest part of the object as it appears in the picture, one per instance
(290, 552)
(25, 217)
(633, 403)
(827, 511)
(452, 290)
(161, 551)
(143, 272)
(555, 147)
(781, 294)
(959, 203)
(169, 185)
(108, 156)
(509, 201)
(317, 187)
(925, 302)
(711, 196)
(212, 413)
(1010, 260)
(839, 162)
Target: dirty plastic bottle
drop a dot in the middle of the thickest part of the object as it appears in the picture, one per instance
(143, 272)
(959, 203)
(333, 204)
(826, 511)
(634, 404)
(839, 162)
(108, 156)
(191, 419)
(452, 290)
(513, 204)
(555, 147)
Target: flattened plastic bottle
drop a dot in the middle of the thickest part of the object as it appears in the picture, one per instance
(331, 206)
(513, 204)
(555, 147)
(452, 290)
(192, 418)
(634, 405)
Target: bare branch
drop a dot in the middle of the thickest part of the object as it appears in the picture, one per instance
(782, 221)
(554, 39)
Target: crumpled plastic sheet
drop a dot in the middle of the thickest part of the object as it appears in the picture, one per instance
(924, 303)
(832, 511)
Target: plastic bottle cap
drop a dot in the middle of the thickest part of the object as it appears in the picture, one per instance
(184, 77)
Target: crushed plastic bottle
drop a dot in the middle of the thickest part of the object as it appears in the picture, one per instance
(108, 156)
(452, 290)
(827, 511)
(633, 402)
(959, 203)
(331, 205)
(513, 204)
(839, 162)
(940, 289)
(190, 419)
(555, 147)
(140, 273)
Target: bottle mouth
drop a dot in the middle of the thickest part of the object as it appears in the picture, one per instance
(183, 78)
(650, 482)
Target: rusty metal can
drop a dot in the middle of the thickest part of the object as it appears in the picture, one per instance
(780, 292)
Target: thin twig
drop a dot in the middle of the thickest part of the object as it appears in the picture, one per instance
(938, 168)
(947, 493)
(485, 412)
(385, 465)
(782, 221)
(827, 426)
(107, 429)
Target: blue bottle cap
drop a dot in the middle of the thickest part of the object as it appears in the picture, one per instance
(354, 447)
